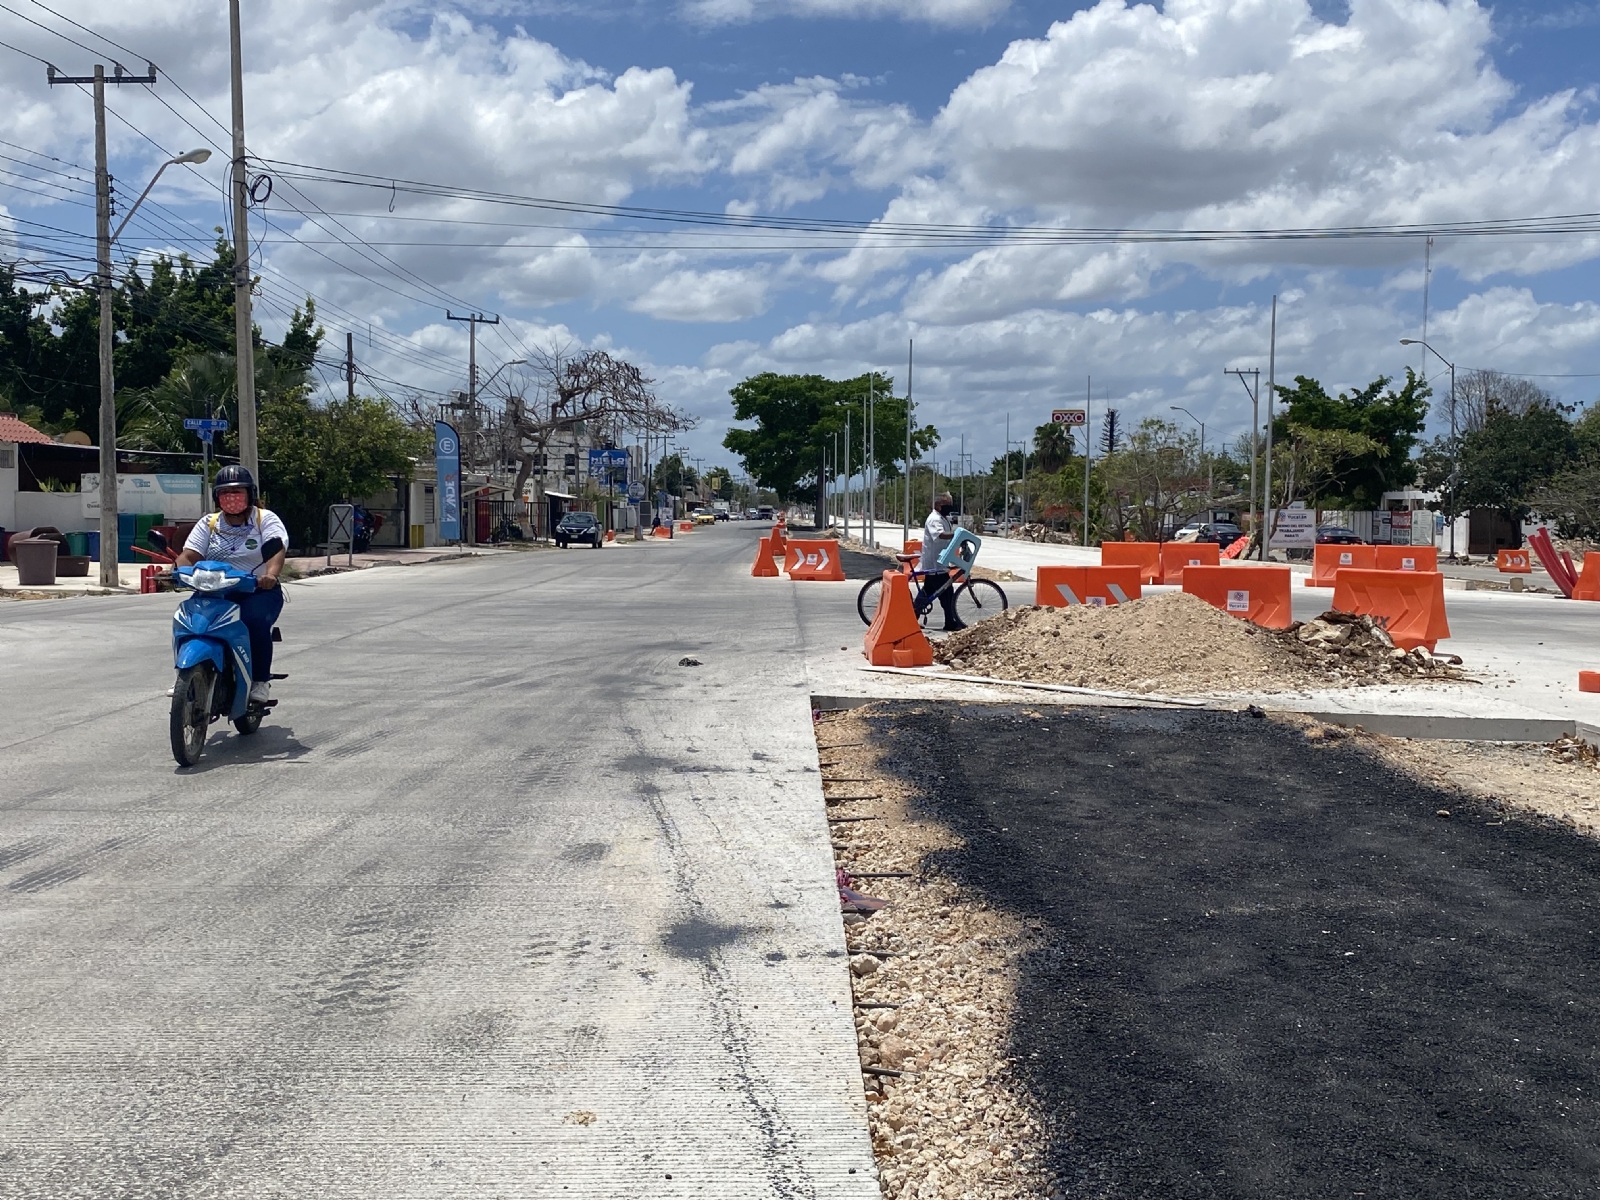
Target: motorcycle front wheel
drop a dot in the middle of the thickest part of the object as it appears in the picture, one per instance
(249, 723)
(191, 712)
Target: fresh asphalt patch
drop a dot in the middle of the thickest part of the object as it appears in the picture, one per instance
(1271, 966)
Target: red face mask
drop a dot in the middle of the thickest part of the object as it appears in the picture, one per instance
(233, 502)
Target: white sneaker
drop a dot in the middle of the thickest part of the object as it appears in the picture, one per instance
(260, 692)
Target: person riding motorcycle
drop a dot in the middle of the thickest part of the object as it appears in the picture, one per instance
(236, 534)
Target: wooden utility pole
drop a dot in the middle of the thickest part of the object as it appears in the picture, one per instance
(244, 351)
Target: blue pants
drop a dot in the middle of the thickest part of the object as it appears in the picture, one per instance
(259, 611)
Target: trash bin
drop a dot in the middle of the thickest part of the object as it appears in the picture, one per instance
(78, 543)
(70, 566)
(93, 550)
(36, 561)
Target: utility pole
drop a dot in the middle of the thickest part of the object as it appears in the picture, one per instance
(473, 320)
(1254, 391)
(350, 366)
(1272, 391)
(102, 237)
(1006, 504)
(905, 525)
(848, 471)
(1088, 452)
(244, 351)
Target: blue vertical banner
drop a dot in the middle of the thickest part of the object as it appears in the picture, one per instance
(447, 461)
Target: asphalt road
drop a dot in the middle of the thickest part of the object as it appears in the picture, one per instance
(1265, 967)
(500, 902)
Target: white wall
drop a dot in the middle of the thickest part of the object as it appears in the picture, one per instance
(64, 510)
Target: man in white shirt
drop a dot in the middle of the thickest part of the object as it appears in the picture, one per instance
(240, 533)
(937, 533)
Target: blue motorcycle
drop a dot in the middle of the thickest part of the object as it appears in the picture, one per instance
(211, 650)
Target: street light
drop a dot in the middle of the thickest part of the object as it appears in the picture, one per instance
(515, 362)
(1202, 424)
(191, 156)
(1455, 458)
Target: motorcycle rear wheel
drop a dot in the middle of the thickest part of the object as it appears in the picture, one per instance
(191, 712)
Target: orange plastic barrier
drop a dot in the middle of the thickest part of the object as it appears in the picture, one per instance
(1588, 585)
(912, 546)
(1236, 547)
(764, 567)
(814, 560)
(1325, 560)
(1175, 556)
(1144, 555)
(778, 542)
(1409, 604)
(661, 531)
(1261, 595)
(1589, 681)
(685, 526)
(1062, 587)
(611, 535)
(1513, 562)
(895, 637)
(1407, 558)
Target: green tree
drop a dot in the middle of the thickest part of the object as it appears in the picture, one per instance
(796, 417)
(1052, 447)
(1389, 420)
(673, 475)
(1154, 481)
(1571, 497)
(1505, 461)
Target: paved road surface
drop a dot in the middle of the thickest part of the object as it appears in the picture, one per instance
(502, 903)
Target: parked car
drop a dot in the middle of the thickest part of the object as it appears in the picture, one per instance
(1189, 533)
(705, 516)
(1337, 535)
(990, 525)
(1223, 533)
(579, 527)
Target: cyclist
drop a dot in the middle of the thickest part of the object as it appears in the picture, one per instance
(937, 533)
(236, 535)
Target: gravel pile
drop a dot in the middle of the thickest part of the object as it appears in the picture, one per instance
(934, 975)
(1178, 644)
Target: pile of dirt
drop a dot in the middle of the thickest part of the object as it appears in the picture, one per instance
(1177, 643)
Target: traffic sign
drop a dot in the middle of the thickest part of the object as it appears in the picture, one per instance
(1069, 416)
(205, 426)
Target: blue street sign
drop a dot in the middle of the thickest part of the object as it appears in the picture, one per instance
(636, 491)
(205, 426)
(447, 461)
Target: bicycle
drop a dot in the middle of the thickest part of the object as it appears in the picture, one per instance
(975, 598)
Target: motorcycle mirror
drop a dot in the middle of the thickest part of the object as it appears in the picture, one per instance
(271, 548)
(158, 540)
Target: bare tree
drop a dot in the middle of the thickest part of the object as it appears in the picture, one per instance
(1478, 393)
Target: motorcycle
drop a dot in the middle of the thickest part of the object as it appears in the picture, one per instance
(211, 651)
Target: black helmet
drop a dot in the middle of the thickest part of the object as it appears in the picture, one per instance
(231, 477)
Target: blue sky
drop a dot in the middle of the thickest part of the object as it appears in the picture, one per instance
(1194, 114)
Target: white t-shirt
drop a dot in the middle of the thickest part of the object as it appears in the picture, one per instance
(237, 545)
(937, 531)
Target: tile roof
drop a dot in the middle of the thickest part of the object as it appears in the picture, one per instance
(14, 429)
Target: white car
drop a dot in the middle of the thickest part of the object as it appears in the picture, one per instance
(1189, 532)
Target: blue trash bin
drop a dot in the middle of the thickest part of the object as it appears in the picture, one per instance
(94, 544)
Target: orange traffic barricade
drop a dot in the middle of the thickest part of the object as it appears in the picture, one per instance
(764, 567)
(1175, 556)
(1325, 560)
(1062, 587)
(1258, 594)
(1588, 585)
(1144, 555)
(1589, 681)
(685, 526)
(661, 531)
(1407, 558)
(814, 560)
(777, 542)
(1408, 604)
(912, 546)
(1513, 562)
(895, 637)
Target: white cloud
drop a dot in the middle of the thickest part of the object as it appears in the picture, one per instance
(717, 295)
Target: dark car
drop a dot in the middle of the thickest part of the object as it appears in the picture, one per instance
(1337, 535)
(579, 527)
(1223, 533)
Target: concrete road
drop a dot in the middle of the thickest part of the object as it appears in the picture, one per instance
(501, 902)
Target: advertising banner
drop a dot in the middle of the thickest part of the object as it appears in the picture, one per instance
(447, 461)
(1294, 529)
(176, 497)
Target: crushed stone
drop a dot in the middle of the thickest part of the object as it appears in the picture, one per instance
(1178, 644)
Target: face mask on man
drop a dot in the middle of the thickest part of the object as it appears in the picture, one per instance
(944, 510)
(233, 502)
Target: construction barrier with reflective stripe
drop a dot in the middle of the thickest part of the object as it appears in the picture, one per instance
(1514, 562)
(1588, 585)
(661, 531)
(1259, 594)
(764, 567)
(895, 637)
(1175, 556)
(1408, 604)
(1407, 558)
(1144, 555)
(814, 560)
(685, 526)
(1062, 587)
(1325, 560)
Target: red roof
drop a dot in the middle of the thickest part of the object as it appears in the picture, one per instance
(14, 429)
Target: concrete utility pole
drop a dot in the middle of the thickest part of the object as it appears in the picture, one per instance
(905, 525)
(473, 320)
(1254, 391)
(350, 366)
(244, 351)
(1272, 391)
(103, 283)
(1088, 451)
(1455, 452)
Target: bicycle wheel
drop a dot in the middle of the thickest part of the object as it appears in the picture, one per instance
(979, 598)
(868, 597)
(191, 712)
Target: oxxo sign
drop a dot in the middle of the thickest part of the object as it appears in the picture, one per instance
(1069, 416)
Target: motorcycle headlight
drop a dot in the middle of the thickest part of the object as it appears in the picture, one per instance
(209, 580)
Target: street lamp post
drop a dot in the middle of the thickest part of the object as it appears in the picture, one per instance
(1202, 424)
(1455, 458)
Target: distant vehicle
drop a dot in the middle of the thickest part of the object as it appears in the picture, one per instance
(1223, 533)
(1337, 535)
(764, 513)
(579, 527)
(751, 514)
(705, 516)
(990, 525)
(723, 514)
(1189, 533)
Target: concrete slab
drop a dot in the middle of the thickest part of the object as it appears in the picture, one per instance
(501, 901)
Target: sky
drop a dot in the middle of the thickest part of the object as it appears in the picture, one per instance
(875, 119)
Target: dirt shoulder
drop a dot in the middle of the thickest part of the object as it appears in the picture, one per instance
(1191, 953)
